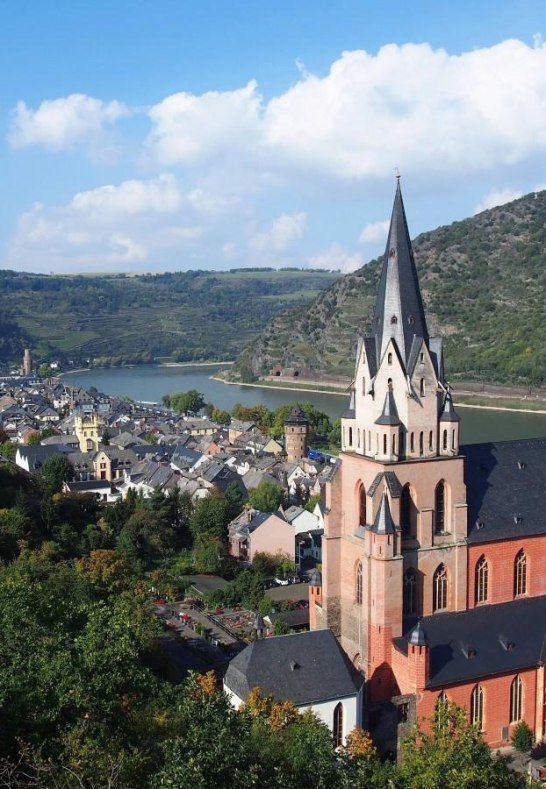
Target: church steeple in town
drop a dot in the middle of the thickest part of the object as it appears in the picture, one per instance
(398, 312)
(397, 403)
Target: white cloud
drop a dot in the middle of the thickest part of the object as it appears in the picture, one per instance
(113, 227)
(64, 123)
(334, 258)
(410, 105)
(160, 195)
(189, 128)
(374, 232)
(497, 197)
(284, 231)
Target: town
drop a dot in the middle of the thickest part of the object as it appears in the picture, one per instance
(357, 584)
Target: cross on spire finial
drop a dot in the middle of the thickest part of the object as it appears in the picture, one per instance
(397, 173)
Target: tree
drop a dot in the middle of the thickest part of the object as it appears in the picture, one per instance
(280, 628)
(210, 517)
(451, 753)
(266, 497)
(189, 402)
(522, 737)
(55, 470)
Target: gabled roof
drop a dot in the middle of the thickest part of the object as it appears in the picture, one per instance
(398, 311)
(392, 481)
(305, 668)
(389, 415)
(505, 485)
(488, 640)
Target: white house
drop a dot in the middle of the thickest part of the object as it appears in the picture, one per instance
(308, 669)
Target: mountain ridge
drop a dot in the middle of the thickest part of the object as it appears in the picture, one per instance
(483, 281)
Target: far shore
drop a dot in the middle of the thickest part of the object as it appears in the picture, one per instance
(272, 385)
(132, 366)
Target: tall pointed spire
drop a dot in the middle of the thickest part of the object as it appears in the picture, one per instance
(398, 311)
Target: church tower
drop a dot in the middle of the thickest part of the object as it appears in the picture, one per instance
(394, 542)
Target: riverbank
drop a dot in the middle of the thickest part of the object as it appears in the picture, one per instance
(462, 400)
(286, 388)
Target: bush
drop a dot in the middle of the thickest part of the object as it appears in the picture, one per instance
(522, 737)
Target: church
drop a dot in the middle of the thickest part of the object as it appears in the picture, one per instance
(434, 554)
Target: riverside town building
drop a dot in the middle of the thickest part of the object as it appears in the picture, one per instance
(434, 555)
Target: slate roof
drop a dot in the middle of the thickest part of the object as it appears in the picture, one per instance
(398, 294)
(296, 417)
(505, 638)
(506, 483)
(389, 415)
(305, 668)
(393, 484)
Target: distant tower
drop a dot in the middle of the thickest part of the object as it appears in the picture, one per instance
(26, 369)
(296, 431)
(88, 428)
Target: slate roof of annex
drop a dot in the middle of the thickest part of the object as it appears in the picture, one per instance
(304, 668)
(487, 630)
(505, 483)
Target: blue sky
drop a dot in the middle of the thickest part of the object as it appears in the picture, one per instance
(146, 136)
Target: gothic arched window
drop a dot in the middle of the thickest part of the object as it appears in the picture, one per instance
(338, 725)
(440, 507)
(520, 574)
(430, 441)
(422, 387)
(358, 584)
(407, 513)
(410, 593)
(350, 436)
(516, 699)
(389, 358)
(481, 580)
(362, 506)
(476, 707)
(439, 589)
(421, 443)
(444, 439)
(412, 442)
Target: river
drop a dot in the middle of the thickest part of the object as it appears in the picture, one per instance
(151, 382)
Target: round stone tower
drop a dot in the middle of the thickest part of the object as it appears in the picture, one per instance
(296, 431)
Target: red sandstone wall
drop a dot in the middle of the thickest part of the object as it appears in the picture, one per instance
(500, 556)
(496, 703)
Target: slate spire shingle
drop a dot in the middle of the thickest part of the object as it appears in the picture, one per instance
(398, 311)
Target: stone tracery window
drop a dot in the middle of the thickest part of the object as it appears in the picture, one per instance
(516, 700)
(358, 584)
(440, 589)
(520, 574)
(440, 507)
(481, 581)
(410, 593)
(476, 707)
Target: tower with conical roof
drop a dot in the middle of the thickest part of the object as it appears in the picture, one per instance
(395, 522)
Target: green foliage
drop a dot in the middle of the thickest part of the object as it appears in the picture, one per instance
(210, 517)
(450, 754)
(55, 470)
(190, 315)
(266, 497)
(280, 628)
(189, 402)
(522, 737)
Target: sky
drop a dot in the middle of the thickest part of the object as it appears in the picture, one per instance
(155, 135)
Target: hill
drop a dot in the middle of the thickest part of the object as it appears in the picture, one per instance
(483, 282)
(185, 316)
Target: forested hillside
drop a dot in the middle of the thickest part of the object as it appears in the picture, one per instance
(484, 285)
(184, 315)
